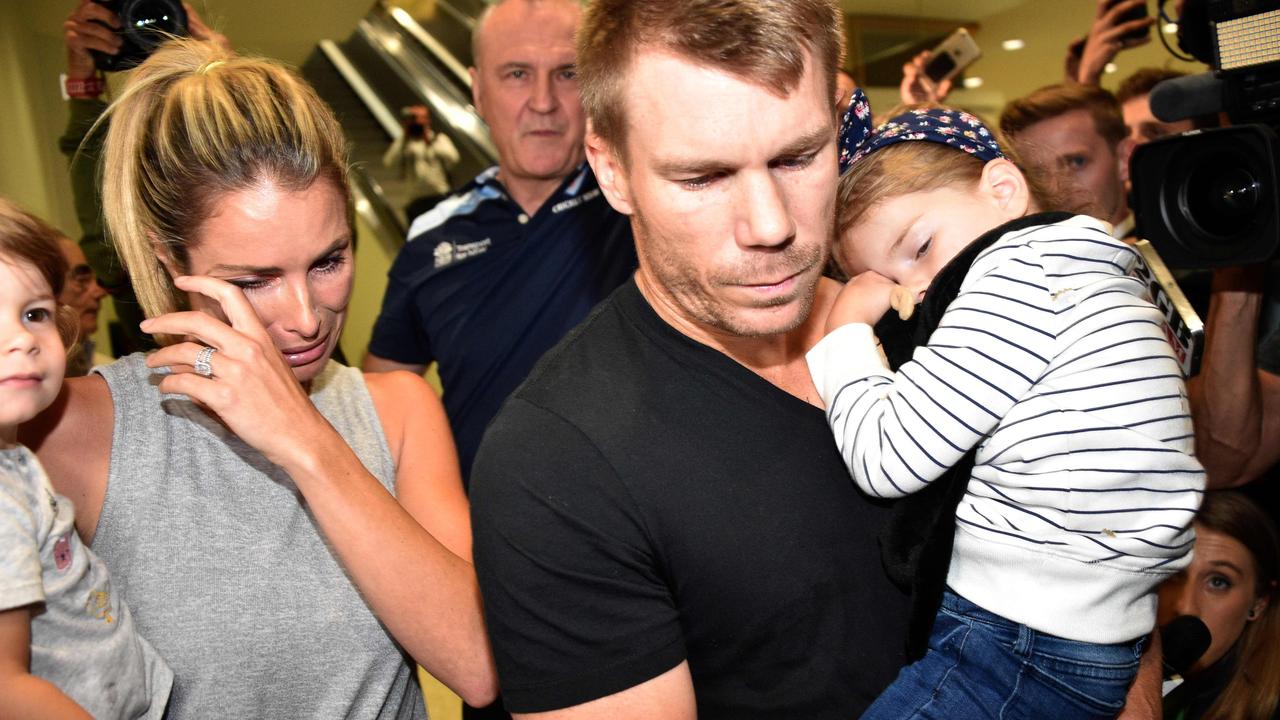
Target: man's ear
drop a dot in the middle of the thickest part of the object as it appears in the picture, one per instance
(1006, 187)
(609, 171)
(1124, 152)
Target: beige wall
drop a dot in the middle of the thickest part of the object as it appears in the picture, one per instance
(31, 56)
(373, 260)
(33, 114)
(1047, 27)
(33, 173)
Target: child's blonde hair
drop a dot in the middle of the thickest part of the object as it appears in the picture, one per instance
(25, 238)
(196, 122)
(911, 167)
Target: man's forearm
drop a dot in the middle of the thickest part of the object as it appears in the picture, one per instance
(1143, 700)
(83, 150)
(1226, 398)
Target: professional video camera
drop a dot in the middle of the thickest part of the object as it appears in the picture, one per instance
(144, 25)
(1211, 198)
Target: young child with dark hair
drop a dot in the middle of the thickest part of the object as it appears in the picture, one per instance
(68, 646)
(1052, 365)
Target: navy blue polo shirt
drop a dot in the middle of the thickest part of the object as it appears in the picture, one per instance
(484, 290)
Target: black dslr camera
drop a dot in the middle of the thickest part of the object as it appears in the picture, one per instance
(1211, 198)
(144, 25)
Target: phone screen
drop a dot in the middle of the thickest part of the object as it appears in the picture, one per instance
(939, 66)
(1137, 13)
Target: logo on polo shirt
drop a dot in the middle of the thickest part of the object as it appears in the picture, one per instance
(447, 252)
(575, 201)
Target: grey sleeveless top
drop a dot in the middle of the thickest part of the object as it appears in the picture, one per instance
(225, 570)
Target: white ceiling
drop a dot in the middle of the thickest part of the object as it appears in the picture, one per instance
(934, 9)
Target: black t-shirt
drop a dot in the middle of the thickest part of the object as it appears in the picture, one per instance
(643, 499)
(485, 290)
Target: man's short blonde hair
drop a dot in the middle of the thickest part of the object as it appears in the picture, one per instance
(764, 41)
(1052, 101)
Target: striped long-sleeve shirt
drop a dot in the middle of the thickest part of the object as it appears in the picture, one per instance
(1054, 364)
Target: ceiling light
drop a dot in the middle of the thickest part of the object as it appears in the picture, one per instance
(972, 82)
(1014, 44)
(1170, 28)
(1110, 68)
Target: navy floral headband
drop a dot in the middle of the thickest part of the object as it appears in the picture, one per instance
(959, 129)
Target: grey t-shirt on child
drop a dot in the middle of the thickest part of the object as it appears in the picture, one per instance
(83, 639)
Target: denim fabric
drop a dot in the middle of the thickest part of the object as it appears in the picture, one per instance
(981, 666)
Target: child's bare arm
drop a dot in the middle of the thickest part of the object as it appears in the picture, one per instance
(24, 694)
(865, 299)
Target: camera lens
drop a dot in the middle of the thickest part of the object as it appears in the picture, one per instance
(144, 25)
(150, 22)
(1210, 198)
(1222, 196)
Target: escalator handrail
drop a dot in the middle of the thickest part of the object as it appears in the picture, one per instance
(371, 204)
(446, 100)
(458, 15)
(433, 46)
(383, 114)
(370, 201)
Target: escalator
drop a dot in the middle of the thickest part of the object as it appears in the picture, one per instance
(390, 61)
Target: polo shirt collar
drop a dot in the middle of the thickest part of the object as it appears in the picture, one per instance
(570, 187)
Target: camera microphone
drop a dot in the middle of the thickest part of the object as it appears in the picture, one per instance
(1187, 97)
(1183, 640)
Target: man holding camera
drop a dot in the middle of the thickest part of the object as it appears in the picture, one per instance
(424, 157)
(1224, 216)
(93, 27)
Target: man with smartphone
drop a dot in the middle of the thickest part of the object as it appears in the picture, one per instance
(928, 77)
(1117, 25)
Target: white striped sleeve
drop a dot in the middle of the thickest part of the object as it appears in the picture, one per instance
(899, 432)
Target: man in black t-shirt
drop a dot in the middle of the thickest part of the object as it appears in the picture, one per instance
(663, 527)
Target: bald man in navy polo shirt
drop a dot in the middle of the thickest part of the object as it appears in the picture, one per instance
(497, 274)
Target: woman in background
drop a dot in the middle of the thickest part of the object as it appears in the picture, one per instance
(1231, 586)
(285, 529)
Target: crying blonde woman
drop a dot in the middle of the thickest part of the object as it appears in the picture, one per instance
(290, 533)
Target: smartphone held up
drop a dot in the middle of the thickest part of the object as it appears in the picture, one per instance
(957, 52)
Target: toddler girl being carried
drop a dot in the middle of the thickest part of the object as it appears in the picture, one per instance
(1053, 364)
(68, 647)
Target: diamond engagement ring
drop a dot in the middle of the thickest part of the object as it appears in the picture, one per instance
(203, 367)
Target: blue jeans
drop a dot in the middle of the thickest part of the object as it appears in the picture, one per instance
(980, 666)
